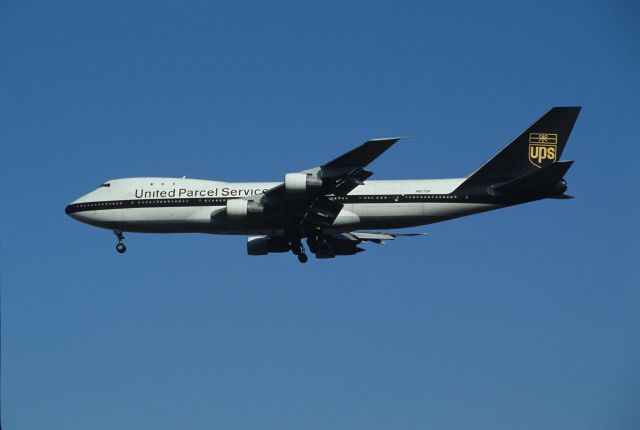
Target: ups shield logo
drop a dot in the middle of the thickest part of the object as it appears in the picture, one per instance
(543, 148)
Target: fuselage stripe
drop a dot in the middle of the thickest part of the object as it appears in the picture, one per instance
(221, 201)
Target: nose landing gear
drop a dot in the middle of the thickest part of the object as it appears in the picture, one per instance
(120, 247)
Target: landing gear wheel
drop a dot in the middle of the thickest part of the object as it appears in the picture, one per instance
(303, 258)
(120, 246)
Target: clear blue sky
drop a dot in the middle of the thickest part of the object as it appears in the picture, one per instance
(523, 318)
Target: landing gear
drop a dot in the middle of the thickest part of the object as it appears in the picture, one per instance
(296, 247)
(302, 257)
(120, 246)
(298, 250)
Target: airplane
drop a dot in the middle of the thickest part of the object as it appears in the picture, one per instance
(334, 206)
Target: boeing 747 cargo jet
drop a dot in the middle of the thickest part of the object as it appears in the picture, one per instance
(334, 206)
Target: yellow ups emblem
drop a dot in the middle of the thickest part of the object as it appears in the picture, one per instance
(543, 148)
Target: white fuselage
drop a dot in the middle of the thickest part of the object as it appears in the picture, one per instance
(173, 205)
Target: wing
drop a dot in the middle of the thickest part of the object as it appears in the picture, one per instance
(347, 243)
(304, 198)
(348, 171)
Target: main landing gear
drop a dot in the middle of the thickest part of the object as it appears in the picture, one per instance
(298, 249)
(120, 246)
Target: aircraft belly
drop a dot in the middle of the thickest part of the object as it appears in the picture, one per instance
(157, 220)
(388, 215)
(105, 215)
(190, 219)
(168, 214)
(454, 210)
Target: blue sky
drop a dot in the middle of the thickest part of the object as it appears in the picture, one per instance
(523, 318)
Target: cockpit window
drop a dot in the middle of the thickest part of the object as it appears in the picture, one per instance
(105, 185)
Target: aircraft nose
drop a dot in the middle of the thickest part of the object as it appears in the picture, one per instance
(75, 209)
(71, 210)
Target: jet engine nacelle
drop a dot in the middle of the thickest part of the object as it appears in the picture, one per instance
(300, 182)
(240, 208)
(263, 245)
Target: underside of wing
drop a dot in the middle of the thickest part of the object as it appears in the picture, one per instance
(379, 237)
(323, 245)
(347, 243)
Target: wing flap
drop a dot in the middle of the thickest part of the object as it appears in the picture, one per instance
(347, 243)
(378, 237)
(322, 212)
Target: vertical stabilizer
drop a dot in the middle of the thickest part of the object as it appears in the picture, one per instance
(538, 146)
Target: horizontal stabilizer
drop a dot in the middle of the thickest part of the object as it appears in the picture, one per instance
(543, 180)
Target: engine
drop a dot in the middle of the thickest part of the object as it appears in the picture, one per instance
(240, 208)
(262, 245)
(300, 182)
